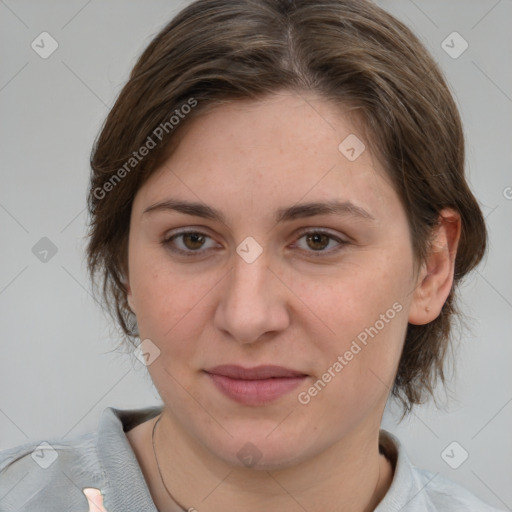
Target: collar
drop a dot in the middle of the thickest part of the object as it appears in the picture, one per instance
(121, 466)
(123, 470)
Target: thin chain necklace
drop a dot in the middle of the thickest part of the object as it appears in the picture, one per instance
(162, 478)
(158, 466)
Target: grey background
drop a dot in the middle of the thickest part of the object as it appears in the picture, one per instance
(58, 367)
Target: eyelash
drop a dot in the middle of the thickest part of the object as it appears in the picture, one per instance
(168, 242)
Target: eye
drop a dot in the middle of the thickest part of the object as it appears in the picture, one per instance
(320, 241)
(189, 243)
(194, 243)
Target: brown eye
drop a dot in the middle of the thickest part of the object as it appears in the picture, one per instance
(189, 243)
(317, 241)
(320, 243)
(193, 241)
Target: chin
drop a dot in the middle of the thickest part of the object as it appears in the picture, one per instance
(251, 457)
(259, 451)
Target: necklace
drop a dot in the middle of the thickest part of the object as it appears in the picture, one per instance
(169, 492)
(158, 466)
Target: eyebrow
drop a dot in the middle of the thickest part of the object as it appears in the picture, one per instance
(298, 211)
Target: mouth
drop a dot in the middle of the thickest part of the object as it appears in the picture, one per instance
(255, 386)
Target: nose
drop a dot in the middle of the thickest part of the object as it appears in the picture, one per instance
(253, 302)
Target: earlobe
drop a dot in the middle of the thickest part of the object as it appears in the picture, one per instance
(435, 278)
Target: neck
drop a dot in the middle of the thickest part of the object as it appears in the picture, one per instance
(197, 479)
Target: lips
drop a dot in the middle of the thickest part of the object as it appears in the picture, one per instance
(255, 386)
(256, 373)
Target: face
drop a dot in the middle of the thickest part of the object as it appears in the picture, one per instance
(261, 241)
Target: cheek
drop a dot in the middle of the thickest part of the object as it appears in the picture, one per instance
(169, 305)
(366, 306)
(358, 295)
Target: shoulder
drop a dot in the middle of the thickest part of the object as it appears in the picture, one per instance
(40, 475)
(445, 495)
(44, 476)
(419, 490)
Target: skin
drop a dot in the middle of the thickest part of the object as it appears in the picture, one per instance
(300, 305)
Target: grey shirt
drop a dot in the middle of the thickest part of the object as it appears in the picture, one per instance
(50, 476)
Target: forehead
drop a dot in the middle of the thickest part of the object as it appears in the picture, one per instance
(283, 147)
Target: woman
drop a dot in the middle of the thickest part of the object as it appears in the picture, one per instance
(279, 220)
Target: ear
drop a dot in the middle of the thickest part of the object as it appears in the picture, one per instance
(435, 277)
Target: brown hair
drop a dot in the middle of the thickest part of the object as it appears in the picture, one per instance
(349, 52)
